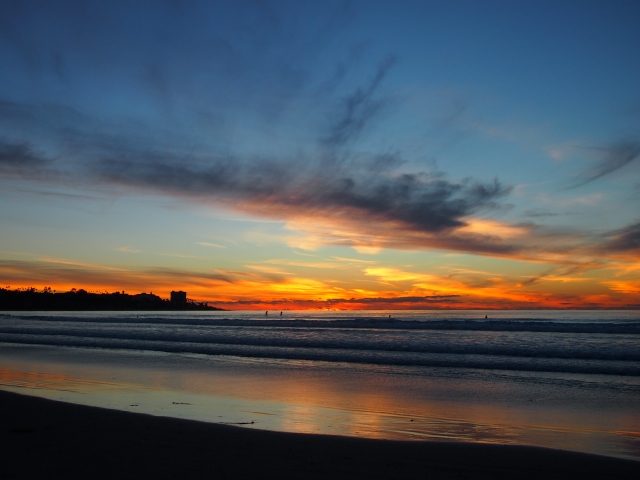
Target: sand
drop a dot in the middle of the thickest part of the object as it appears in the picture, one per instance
(48, 439)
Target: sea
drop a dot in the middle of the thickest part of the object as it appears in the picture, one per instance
(557, 379)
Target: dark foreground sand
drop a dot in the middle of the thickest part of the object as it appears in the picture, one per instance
(48, 439)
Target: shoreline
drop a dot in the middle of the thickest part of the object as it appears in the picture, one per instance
(53, 439)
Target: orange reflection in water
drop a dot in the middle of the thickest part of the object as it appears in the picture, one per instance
(304, 403)
(47, 381)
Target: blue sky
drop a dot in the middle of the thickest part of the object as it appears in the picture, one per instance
(485, 150)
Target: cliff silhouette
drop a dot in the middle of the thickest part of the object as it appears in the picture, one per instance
(46, 299)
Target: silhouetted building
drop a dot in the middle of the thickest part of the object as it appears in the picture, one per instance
(179, 298)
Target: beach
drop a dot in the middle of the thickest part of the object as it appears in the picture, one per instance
(49, 439)
(557, 380)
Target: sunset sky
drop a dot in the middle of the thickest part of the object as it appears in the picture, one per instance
(350, 155)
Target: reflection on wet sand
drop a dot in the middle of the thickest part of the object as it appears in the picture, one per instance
(373, 406)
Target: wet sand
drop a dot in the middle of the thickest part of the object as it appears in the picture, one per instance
(48, 439)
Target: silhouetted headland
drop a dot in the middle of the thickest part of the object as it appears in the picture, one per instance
(48, 300)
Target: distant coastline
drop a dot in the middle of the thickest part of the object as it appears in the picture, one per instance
(80, 300)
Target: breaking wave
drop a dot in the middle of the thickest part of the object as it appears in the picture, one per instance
(610, 347)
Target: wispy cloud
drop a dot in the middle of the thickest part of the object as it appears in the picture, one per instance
(631, 287)
(626, 239)
(358, 108)
(212, 245)
(364, 303)
(294, 263)
(353, 260)
(611, 159)
(562, 273)
(20, 159)
(396, 275)
(127, 250)
(74, 263)
(18, 156)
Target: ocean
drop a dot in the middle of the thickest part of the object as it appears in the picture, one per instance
(560, 379)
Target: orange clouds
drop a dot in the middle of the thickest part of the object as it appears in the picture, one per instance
(265, 286)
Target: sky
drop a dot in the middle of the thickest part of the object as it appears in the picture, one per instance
(324, 155)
